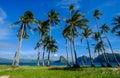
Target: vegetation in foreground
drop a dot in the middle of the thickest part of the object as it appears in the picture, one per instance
(58, 72)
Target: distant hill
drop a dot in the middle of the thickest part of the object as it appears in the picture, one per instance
(4, 60)
(83, 59)
(62, 59)
(110, 57)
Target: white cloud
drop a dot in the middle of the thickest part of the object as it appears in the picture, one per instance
(55, 55)
(115, 51)
(67, 3)
(2, 16)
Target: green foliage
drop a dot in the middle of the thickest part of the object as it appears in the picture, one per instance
(60, 72)
(97, 14)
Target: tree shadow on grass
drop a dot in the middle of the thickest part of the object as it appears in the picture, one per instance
(68, 68)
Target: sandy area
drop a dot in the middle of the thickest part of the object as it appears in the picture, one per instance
(4, 76)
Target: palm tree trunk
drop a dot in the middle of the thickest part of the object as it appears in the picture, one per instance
(106, 58)
(112, 50)
(14, 59)
(72, 52)
(48, 58)
(102, 65)
(50, 32)
(91, 61)
(16, 62)
(76, 61)
(38, 58)
(68, 61)
(43, 63)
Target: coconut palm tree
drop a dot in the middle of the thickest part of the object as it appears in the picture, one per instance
(98, 49)
(97, 15)
(104, 29)
(97, 38)
(75, 22)
(86, 34)
(51, 47)
(53, 19)
(25, 21)
(42, 29)
(45, 43)
(116, 23)
(66, 35)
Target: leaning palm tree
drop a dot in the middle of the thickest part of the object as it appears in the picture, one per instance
(101, 43)
(97, 15)
(42, 29)
(116, 23)
(86, 34)
(104, 29)
(25, 20)
(98, 49)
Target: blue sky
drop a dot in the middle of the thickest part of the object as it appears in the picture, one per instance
(11, 10)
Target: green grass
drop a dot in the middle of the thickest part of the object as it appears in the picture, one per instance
(58, 72)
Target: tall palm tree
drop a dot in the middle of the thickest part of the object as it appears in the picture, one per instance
(51, 47)
(75, 22)
(86, 34)
(104, 29)
(101, 43)
(66, 35)
(97, 15)
(98, 49)
(53, 19)
(116, 23)
(43, 29)
(25, 20)
(45, 44)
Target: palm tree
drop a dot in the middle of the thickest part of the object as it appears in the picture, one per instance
(97, 15)
(75, 22)
(45, 43)
(43, 29)
(66, 34)
(98, 49)
(116, 23)
(101, 43)
(53, 19)
(86, 34)
(51, 47)
(104, 29)
(25, 20)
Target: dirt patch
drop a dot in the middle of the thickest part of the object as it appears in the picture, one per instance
(4, 76)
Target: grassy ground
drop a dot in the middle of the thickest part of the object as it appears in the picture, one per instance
(58, 72)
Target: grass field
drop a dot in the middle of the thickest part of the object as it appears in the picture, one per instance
(58, 72)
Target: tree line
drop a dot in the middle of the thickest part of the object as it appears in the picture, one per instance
(75, 26)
